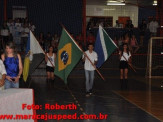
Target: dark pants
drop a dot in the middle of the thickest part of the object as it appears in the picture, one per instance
(24, 43)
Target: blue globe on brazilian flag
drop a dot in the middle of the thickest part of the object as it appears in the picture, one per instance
(68, 56)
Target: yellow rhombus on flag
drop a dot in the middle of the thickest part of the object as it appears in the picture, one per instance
(68, 56)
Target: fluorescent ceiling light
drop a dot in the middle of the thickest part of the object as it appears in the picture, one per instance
(117, 3)
(155, 3)
(112, 1)
(111, 9)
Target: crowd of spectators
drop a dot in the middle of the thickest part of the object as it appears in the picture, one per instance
(17, 30)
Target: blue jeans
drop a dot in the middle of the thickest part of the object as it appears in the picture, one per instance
(89, 80)
(10, 84)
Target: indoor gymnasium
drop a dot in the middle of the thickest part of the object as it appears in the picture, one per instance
(81, 60)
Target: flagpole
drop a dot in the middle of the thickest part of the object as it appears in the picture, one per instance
(44, 51)
(129, 64)
(83, 52)
(127, 61)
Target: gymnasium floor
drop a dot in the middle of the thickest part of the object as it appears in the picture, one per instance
(141, 102)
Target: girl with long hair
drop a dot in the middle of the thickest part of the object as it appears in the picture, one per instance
(13, 65)
(125, 58)
(50, 58)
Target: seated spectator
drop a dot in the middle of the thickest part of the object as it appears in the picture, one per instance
(54, 42)
(10, 24)
(55, 39)
(90, 26)
(26, 20)
(134, 44)
(5, 34)
(115, 40)
(97, 25)
(79, 38)
(32, 27)
(24, 36)
(17, 22)
(102, 24)
(48, 40)
(120, 41)
(129, 25)
(41, 40)
(117, 24)
(90, 38)
(126, 39)
(80, 41)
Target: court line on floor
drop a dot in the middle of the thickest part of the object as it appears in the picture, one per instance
(76, 101)
(137, 105)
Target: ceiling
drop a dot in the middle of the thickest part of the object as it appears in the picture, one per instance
(142, 3)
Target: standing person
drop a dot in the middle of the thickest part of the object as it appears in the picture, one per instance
(142, 27)
(5, 33)
(32, 27)
(49, 67)
(24, 36)
(17, 34)
(129, 26)
(89, 69)
(10, 25)
(13, 65)
(2, 75)
(125, 58)
(153, 26)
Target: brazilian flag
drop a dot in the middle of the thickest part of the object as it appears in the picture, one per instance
(68, 56)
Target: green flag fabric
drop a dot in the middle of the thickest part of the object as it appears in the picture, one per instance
(68, 56)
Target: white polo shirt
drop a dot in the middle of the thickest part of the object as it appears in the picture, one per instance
(93, 57)
(126, 55)
(153, 26)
